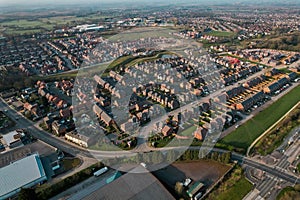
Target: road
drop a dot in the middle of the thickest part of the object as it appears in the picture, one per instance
(81, 152)
(281, 175)
(145, 131)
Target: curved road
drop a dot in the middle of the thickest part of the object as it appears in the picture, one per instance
(78, 151)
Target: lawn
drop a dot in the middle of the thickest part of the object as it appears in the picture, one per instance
(243, 136)
(240, 189)
(69, 164)
(234, 186)
(221, 34)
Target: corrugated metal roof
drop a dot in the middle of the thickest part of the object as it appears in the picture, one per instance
(21, 173)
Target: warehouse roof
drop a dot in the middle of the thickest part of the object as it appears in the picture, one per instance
(26, 172)
(133, 186)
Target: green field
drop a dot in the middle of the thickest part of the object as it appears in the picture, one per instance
(240, 189)
(221, 34)
(243, 136)
(69, 164)
(234, 186)
(24, 26)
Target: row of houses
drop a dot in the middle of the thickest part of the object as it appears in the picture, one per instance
(106, 85)
(273, 88)
(54, 99)
(102, 115)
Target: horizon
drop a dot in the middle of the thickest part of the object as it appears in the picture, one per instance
(37, 3)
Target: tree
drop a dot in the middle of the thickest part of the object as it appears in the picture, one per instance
(214, 156)
(27, 194)
(227, 157)
(179, 188)
(195, 155)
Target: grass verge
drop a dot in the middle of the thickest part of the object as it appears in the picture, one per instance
(243, 136)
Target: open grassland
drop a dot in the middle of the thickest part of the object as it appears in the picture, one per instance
(240, 189)
(234, 187)
(243, 136)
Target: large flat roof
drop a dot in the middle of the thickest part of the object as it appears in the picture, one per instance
(133, 186)
(26, 172)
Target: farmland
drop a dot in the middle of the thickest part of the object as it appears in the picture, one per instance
(17, 26)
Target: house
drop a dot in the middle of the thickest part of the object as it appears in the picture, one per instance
(18, 105)
(167, 130)
(106, 119)
(99, 80)
(58, 129)
(65, 113)
(127, 127)
(79, 139)
(48, 122)
(42, 92)
(248, 103)
(200, 133)
(61, 104)
(273, 72)
(103, 116)
(103, 102)
(13, 139)
(275, 86)
(173, 104)
(292, 76)
(254, 82)
(29, 106)
(272, 88)
(235, 91)
(36, 111)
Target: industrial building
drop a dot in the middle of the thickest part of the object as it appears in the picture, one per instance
(23, 173)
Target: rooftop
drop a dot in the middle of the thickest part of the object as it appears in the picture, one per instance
(11, 137)
(132, 186)
(26, 172)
